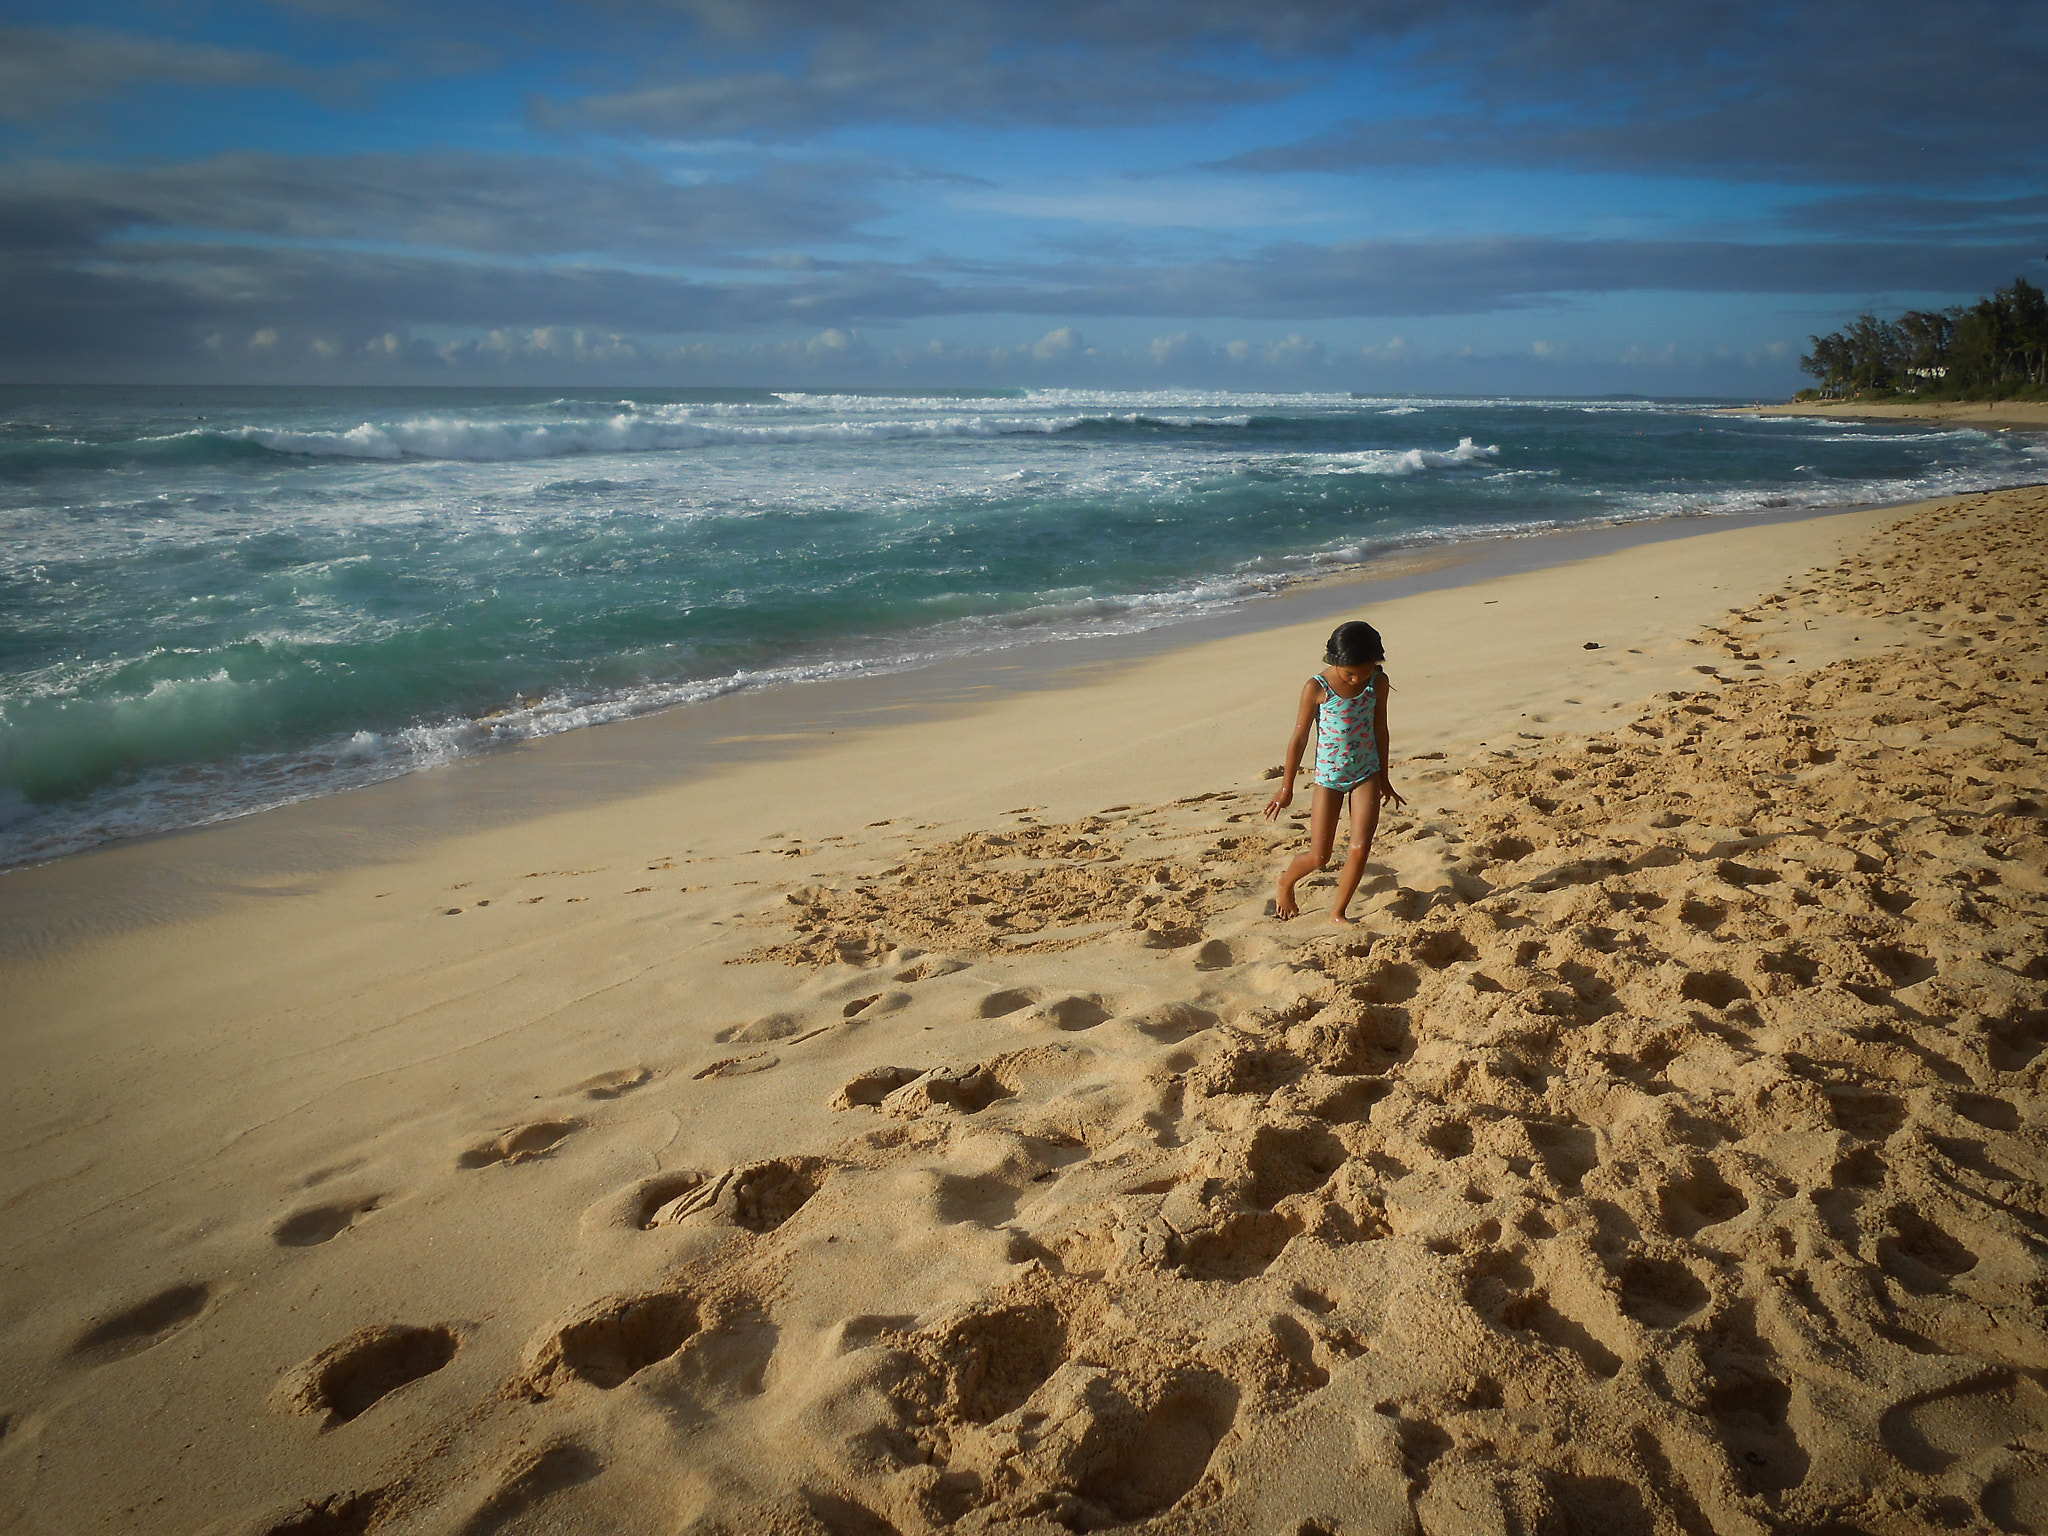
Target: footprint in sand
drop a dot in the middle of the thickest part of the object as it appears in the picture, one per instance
(1660, 1293)
(144, 1325)
(609, 1343)
(528, 1480)
(1698, 1199)
(613, 1084)
(1716, 989)
(1920, 1255)
(1750, 1403)
(521, 1144)
(1167, 1456)
(771, 1026)
(1749, 1408)
(322, 1223)
(1242, 1247)
(975, 1200)
(1289, 1161)
(1500, 1287)
(338, 1514)
(1077, 1011)
(988, 1360)
(875, 1005)
(1865, 1112)
(737, 1066)
(1174, 1022)
(998, 1004)
(661, 1200)
(1137, 1442)
(348, 1378)
(1994, 1114)
(765, 1195)
(875, 1085)
(1533, 1314)
(758, 1196)
(1442, 948)
(909, 1092)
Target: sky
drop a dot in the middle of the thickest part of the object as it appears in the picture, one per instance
(1458, 196)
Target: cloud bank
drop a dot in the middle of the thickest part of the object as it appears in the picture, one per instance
(708, 180)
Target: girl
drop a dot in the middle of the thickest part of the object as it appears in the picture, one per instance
(1346, 702)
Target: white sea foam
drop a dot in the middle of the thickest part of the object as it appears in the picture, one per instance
(672, 428)
(858, 404)
(453, 438)
(1405, 461)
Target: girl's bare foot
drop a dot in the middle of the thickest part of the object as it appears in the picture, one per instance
(1283, 904)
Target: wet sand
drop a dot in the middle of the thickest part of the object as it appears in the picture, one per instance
(1993, 415)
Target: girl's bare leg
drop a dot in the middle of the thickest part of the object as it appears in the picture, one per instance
(1365, 821)
(1322, 835)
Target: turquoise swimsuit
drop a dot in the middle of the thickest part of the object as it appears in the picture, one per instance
(1346, 752)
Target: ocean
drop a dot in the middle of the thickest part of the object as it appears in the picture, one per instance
(217, 600)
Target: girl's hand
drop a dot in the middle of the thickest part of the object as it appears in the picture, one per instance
(1282, 798)
(1390, 795)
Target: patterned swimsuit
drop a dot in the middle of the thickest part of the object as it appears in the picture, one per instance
(1346, 753)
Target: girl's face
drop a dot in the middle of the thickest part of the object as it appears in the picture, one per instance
(1355, 675)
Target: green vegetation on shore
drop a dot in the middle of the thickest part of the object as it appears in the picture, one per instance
(1995, 349)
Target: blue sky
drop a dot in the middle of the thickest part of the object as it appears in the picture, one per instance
(1573, 197)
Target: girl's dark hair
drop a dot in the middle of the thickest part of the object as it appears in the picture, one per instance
(1356, 644)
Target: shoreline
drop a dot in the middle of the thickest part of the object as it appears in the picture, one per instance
(163, 876)
(923, 1121)
(891, 690)
(1992, 415)
(347, 760)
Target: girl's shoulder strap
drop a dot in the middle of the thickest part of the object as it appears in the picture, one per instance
(1321, 682)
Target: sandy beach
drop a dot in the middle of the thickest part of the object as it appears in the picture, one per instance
(913, 1119)
(1993, 415)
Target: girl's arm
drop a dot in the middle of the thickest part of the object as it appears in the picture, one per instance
(1304, 722)
(1379, 739)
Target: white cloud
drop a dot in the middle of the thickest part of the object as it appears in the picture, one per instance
(1179, 349)
(1294, 352)
(553, 343)
(1056, 346)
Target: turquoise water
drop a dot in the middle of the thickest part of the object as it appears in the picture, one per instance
(217, 600)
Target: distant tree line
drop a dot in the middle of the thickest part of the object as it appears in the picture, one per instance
(1995, 348)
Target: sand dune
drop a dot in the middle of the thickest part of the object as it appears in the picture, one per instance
(1665, 1155)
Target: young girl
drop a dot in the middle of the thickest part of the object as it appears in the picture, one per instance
(1346, 702)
